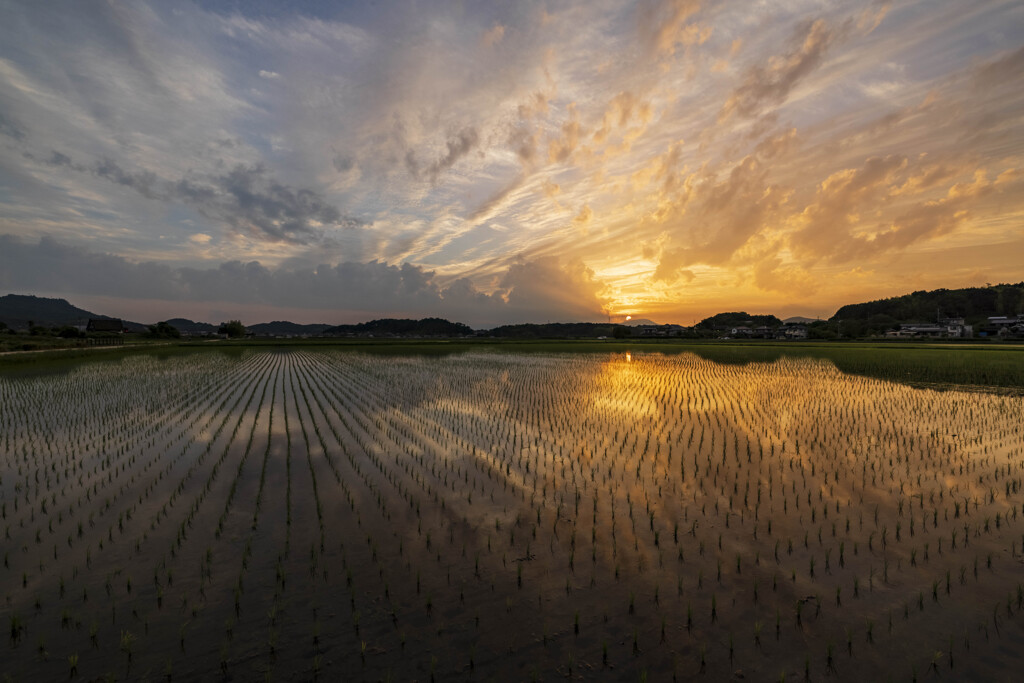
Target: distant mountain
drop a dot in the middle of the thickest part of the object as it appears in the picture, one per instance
(17, 310)
(283, 328)
(186, 326)
(974, 304)
(799, 320)
(392, 327)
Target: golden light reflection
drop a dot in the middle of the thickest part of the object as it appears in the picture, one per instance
(622, 391)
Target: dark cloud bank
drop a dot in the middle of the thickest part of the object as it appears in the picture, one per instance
(539, 290)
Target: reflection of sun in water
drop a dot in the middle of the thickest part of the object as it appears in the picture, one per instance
(624, 389)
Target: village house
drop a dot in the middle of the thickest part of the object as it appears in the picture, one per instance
(794, 332)
(667, 330)
(945, 328)
(1003, 326)
(746, 332)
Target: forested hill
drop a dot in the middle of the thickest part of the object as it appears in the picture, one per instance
(284, 327)
(975, 304)
(18, 310)
(186, 326)
(737, 319)
(553, 330)
(395, 327)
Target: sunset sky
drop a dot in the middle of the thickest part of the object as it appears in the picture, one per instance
(507, 161)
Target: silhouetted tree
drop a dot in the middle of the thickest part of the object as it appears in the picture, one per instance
(233, 328)
(165, 330)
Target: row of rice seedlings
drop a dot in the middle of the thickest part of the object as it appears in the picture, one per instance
(108, 503)
(97, 489)
(123, 521)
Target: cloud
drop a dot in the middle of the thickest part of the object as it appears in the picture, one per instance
(561, 147)
(771, 274)
(143, 182)
(925, 220)
(456, 137)
(59, 159)
(536, 104)
(488, 206)
(583, 219)
(10, 129)
(839, 202)
(249, 200)
(343, 163)
(246, 198)
(458, 146)
(1002, 72)
(622, 108)
(834, 229)
(871, 17)
(769, 84)
(725, 214)
(664, 25)
(493, 36)
(523, 141)
(710, 216)
(530, 290)
(546, 289)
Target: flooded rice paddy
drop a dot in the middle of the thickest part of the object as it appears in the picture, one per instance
(308, 514)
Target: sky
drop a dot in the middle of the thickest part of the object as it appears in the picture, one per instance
(499, 162)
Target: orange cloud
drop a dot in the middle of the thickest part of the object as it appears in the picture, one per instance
(562, 147)
(583, 219)
(726, 214)
(493, 36)
(834, 230)
(664, 27)
(769, 85)
(839, 201)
